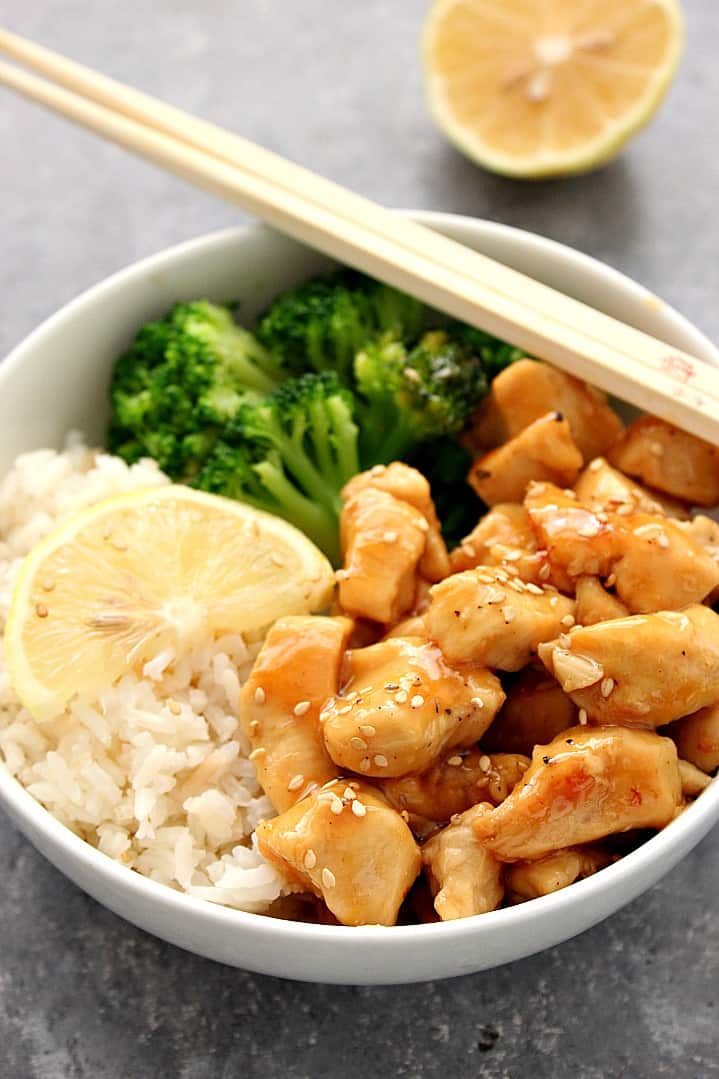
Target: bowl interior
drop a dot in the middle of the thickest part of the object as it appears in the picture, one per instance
(56, 381)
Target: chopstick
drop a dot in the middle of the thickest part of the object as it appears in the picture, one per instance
(618, 358)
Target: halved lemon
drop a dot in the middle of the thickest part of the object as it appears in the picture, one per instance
(121, 582)
(533, 88)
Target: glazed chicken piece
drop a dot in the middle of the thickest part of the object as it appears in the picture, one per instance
(502, 535)
(595, 603)
(456, 782)
(705, 532)
(543, 451)
(484, 616)
(697, 738)
(529, 880)
(344, 844)
(651, 560)
(535, 712)
(601, 487)
(408, 485)
(673, 461)
(464, 877)
(294, 674)
(401, 705)
(587, 784)
(642, 671)
(694, 781)
(528, 389)
(383, 541)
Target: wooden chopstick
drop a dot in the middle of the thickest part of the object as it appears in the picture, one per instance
(618, 358)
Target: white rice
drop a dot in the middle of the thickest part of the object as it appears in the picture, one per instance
(154, 772)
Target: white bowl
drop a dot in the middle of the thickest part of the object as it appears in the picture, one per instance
(56, 380)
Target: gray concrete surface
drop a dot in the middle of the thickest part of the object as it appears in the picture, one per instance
(336, 86)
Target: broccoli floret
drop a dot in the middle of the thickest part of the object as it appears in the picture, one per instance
(410, 396)
(494, 354)
(182, 380)
(446, 464)
(320, 325)
(290, 454)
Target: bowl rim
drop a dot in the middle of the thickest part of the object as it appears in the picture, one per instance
(692, 824)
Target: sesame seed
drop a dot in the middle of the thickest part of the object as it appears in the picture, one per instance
(41, 610)
(502, 575)
(568, 620)
(485, 578)
(358, 743)
(588, 531)
(544, 571)
(607, 686)
(405, 816)
(326, 786)
(533, 588)
(260, 695)
(364, 764)
(663, 539)
(495, 595)
(336, 805)
(477, 702)
(625, 509)
(378, 470)
(402, 697)
(656, 449)
(368, 729)
(302, 708)
(367, 689)
(484, 763)
(611, 580)
(380, 760)
(508, 614)
(344, 711)
(342, 574)
(423, 525)
(296, 782)
(583, 717)
(469, 550)
(513, 555)
(310, 859)
(554, 601)
(417, 701)
(602, 516)
(455, 761)
(175, 708)
(518, 586)
(359, 808)
(348, 794)
(596, 464)
(390, 537)
(328, 878)
(256, 753)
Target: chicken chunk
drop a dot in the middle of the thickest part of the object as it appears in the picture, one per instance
(528, 389)
(694, 781)
(601, 487)
(485, 616)
(543, 451)
(504, 535)
(344, 844)
(672, 461)
(697, 738)
(529, 880)
(651, 560)
(465, 878)
(383, 541)
(535, 712)
(587, 784)
(401, 705)
(455, 783)
(294, 674)
(595, 603)
(705, 532)
(642, 671)
(408, 485)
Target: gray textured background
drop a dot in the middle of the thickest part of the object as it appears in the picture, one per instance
(336, 86)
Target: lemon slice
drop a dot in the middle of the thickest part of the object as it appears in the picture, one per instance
(131, 577)
(533, 88)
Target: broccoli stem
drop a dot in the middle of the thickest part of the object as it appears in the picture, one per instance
(318, 523)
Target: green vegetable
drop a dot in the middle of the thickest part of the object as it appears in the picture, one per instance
(323, 323)
(445, 463)
(411, 395)
(290, 453)
(182, 380)
(494, 354)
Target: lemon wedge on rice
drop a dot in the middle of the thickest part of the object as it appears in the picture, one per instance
(131, 577)
(534, 88)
